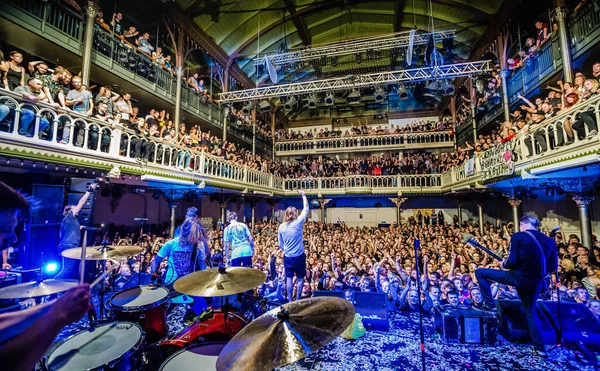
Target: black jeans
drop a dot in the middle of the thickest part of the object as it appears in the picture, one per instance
(528, 292)
(587, 118)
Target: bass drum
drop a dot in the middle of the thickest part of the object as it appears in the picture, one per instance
(202, 357)
(113, 346)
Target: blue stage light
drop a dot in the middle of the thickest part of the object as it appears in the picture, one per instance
(51, 267)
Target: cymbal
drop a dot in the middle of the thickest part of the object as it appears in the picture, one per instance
(102, 252)
(220, 281)
(33, 289)
(274, 340)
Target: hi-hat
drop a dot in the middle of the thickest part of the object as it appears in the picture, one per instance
(278, 338)
(35, 289)
(220, 281)
(107, 252)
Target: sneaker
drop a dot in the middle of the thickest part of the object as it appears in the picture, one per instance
(592, 133)
(180, 168)
(189, 169)
(540, 353)
(62, 142)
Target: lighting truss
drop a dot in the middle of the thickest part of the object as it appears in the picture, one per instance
(401, 40)
(449, 71)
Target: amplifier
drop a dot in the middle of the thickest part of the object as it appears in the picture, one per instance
(466, 326)
(8, 278)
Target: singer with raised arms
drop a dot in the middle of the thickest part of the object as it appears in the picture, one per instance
(237, 241)
(291, 241)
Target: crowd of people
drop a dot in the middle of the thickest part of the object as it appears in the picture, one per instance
(418, 126)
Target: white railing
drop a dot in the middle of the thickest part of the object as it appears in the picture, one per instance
(367, 183)
(367, 142)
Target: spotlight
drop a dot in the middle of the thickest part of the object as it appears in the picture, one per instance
(329, 99)
(379, 94)
(447, 88)
(156, 195)
(264, 106)
(247, 108)
(402, 92)
(431, 89)
(354, 97)
(334, 61)
(290, 103)
(260, 70)
(358, 58)
(324, 61)
(51, 267)
(312, 101)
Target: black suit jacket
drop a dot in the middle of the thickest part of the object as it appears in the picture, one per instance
(524, 257)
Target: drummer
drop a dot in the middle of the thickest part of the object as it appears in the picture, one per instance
(238, 240)
(70, 235)
(25, 336)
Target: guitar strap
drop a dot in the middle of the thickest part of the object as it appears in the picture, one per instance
(543, 256)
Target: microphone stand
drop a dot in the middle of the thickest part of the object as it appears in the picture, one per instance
(417, 245)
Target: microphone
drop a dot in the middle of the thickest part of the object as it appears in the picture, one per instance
(554, 231)
(140, 219)
(90, 228)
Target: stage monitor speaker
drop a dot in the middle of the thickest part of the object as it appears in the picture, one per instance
(80, 185)
(337, 294)
(576, 321)
(514, 327)
(372, 307)
(50, 204)
(466, 326)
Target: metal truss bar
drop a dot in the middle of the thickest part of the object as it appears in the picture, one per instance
(449, 71)
(378, 43)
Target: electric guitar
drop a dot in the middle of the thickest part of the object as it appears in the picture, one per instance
(471, 241)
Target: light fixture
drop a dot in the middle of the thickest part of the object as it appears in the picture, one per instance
(312, 101)
(290, 103)
(431, 89)
(264, 106)
(379, 94)
(403, 92)
(358, 58)
(329, 99)
(51, 267)
(354, 97)
(447, 88)
(247, 108)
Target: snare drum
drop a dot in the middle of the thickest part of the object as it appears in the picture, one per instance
(222, 327)
(145, 305)
(112, 346)
(201, 357)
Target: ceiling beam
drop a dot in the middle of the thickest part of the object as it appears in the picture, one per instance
(298, 22)
(478, 13)
(182, 18)
(400, 4)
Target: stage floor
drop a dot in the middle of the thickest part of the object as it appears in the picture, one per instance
(398, 349)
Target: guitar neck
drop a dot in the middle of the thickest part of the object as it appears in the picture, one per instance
(484, 249)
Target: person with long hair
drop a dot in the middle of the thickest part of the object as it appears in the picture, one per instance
(291, 241)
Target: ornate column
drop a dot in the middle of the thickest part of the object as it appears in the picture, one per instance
(91, 10)
(272, 203)
(480, 212)
(473, 108)
(179, 60)
(223, 206)
(454, 118)
(583, 203)
(253, 131)
(515, 212)
(459, 211)
(252, 203)
(172, 206)
(273, 133)
(563, 36)
(504, 73)
(225, 121)
(398, 201)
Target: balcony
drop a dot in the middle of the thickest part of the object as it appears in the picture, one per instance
(39, 26)
(366, 143)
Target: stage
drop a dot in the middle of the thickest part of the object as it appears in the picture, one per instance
(398, 349)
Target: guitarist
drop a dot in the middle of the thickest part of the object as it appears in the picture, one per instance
(531, 256)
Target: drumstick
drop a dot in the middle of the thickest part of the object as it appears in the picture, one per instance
(82, 262)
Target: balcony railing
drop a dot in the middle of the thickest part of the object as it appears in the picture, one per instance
(425, 183)
(438, 139)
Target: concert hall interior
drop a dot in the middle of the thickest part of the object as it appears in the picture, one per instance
(299, 185)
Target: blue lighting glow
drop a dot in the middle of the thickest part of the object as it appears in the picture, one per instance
(51, 267)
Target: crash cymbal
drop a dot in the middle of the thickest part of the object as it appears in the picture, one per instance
(220, 281)
(34, 289)
(102, 252)
(276, 339)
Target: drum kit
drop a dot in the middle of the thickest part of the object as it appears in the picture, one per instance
(134, 337)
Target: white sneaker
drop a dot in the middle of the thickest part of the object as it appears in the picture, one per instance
(180, 168)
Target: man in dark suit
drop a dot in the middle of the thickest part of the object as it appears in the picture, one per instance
(532, 255)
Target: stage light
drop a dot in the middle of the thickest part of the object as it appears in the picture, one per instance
(247, 108)
(324, 61)
(403, 92)
(312, 101)
(431, 89)
(290, 103)
(334, 61)
(156, 195)
(379, 94)
(329, 99)
(358, 58)
(447, 88)
(264, 106)
(51, 267)
(354, 97)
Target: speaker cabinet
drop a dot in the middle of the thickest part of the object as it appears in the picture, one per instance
(514, 324)
(372, 307)
(576, 321)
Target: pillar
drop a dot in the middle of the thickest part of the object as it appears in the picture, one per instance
(272, 213)
(398, 201)
(480, 212)
(459, 211)
(252, 218)
(273, 132)
(254, 131)
(583, 203)
(172, 206)
(223, 206)
(322, 203)
(515, 212)
(473, 108)
(504, 73)
(91, 10)
(563, 36)
(179, 73)
(225, 122)
(454, 118)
